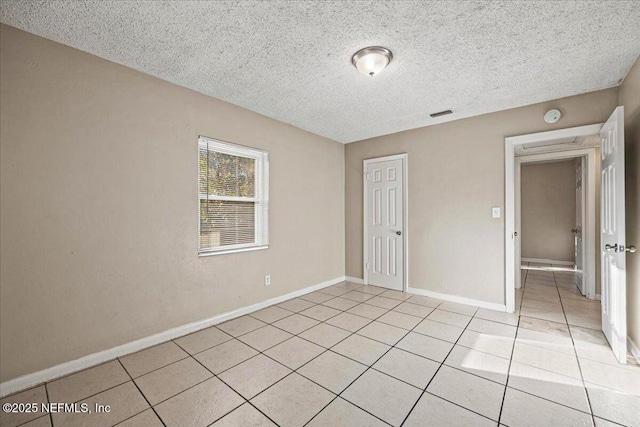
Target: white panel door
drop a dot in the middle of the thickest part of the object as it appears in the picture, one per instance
(612, 230)
(580, 208)
(385, 223)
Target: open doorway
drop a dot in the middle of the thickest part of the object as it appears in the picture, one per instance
(555, 216)
(612, 248)
(556, 146)
(554, 208)
(556, 212)
(552, 215)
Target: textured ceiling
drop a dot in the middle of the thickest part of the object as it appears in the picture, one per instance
(290, 60)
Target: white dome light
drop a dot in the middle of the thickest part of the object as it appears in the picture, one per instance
(552, 116)
(371, 60)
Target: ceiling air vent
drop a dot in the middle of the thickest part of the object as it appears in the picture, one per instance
(441, 113)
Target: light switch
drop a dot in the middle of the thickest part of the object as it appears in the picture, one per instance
(495, 212)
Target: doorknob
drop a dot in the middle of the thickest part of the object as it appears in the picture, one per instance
(398, 233)
(608, 247)
(631, 249)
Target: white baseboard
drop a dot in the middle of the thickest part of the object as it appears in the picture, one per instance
(459, 300)
(633, 348)
(30, 380)
(355, 280)
(548, 261)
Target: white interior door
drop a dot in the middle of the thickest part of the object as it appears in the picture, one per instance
(577, 231)
(384, 216)
(612, 229)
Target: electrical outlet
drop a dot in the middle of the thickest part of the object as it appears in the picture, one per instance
(495, 212)
(267, 280)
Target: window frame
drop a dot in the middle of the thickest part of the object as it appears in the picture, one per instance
(260, 197)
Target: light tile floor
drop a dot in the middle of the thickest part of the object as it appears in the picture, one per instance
(350, 355)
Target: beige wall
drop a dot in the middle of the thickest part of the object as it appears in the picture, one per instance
(548, 206)
(456, 174)
(630, 98)
(99, 206)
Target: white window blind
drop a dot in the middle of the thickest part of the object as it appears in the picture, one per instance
(233, 194)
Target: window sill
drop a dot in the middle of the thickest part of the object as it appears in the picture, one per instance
(232, 251)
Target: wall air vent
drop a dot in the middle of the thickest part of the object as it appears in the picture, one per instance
(441, 113)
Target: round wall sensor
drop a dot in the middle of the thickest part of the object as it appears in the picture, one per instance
(552, 116)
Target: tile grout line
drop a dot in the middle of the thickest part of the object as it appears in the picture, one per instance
(575, 352)
(590, 413)
(338, 395)
(546, 370)
(223, 382)
(46, 390)
(309, 361)
(436, 373)
(368, 366)
(42, 415)
(94, 394)
(163, 366)
(231, 339)
(470, 373)
(387, 310)
(573, 344)
(281, 379)
(143, 396)
(506, 385)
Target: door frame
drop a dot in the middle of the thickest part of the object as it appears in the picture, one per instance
(510, 202)
(405, 216)
(588, 213)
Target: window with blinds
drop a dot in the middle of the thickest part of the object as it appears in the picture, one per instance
(233, 194)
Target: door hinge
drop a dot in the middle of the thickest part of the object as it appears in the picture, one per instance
(366, 265)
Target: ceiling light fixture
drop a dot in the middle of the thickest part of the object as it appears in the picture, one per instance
(371, 60)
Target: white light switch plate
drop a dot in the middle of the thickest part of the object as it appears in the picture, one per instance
(495, 212)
